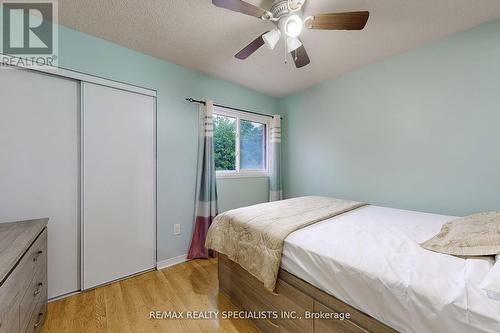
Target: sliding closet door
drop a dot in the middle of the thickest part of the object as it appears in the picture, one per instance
(40, 165)
(118, 206)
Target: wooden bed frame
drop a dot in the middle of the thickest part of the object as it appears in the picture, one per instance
(293, 297)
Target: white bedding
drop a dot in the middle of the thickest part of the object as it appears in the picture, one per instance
(370, 258)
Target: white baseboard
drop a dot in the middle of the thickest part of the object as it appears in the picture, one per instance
(171, 262)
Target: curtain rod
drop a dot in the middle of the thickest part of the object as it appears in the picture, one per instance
(192, 100)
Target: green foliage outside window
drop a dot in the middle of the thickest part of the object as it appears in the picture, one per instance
(252, 141)
(224, 143)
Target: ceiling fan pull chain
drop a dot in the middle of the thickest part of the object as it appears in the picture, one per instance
(286, 48)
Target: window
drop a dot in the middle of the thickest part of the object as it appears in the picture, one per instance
(240, 143)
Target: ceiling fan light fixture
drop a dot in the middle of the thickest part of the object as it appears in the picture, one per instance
(293, 26)
(286, 15)
(292, 43)
(271, 38)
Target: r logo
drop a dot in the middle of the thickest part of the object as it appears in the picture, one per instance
(27, 27)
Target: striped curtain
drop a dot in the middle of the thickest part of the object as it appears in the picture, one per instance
(275, 192)
(206, 188)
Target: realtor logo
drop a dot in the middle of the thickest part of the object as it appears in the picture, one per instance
(29, 31)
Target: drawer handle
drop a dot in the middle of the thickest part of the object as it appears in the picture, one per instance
(37, 255)
(40, 317)
(39, 289)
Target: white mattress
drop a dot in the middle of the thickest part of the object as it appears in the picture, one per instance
(370, 258)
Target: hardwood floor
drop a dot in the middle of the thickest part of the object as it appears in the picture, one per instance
(125, 306)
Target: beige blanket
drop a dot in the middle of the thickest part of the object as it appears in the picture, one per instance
(253, 236)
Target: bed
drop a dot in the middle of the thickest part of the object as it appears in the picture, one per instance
(367, 262)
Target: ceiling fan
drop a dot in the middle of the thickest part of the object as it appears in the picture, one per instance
(288, 17)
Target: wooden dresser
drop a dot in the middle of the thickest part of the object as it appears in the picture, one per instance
(23, 276)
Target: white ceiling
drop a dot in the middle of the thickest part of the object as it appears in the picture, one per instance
(198, 35)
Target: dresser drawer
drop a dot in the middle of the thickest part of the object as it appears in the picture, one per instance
(38, 316)
(21, 291)
(9, 319)
(10, 290)
(36, 292)
(37, 253)
(17, 282)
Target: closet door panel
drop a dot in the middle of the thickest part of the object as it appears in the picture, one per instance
(118, 206)
(40, 165)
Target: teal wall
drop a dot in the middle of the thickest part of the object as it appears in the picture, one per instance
(177, 127)
(234, 193)
(417, 131)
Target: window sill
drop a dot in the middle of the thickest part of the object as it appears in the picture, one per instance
(232, 175)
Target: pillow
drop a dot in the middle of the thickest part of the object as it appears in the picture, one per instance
(491, 283)
(473, 235)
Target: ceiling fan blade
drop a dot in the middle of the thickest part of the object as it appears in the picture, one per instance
(338, 21)
(250, 48)
(300, 57)
(241, 7)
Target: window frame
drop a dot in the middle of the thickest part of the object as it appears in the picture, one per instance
(238, 116)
